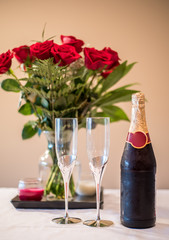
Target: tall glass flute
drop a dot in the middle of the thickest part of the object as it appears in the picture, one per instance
(98, 144)
(66, 149)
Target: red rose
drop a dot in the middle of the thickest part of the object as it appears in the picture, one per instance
(64, 53)
(114, 56)
(22, 54)
(97, 59)
(70, 40)
(5, 61)
(41, 50)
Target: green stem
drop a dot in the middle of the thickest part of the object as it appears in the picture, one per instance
(72, 186)
(99, 82)
(78, 96)
(51, 99)
(12, 73)
(58, 185)
(87, 75)
(91, 81)
(85, 110)
(35, 110)
(51, 178)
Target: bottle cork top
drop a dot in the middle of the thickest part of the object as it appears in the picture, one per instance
(138, 118)
(138, 98)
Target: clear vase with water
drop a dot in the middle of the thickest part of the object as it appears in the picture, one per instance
(49, 172)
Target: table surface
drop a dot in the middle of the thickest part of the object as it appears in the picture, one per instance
(36, 224)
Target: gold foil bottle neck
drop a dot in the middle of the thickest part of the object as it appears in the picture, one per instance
(138, 99)
(138, 118)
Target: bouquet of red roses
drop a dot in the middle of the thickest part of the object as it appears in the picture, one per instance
(67, 80)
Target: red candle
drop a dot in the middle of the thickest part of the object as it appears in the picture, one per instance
(31, 194)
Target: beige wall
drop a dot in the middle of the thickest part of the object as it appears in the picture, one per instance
(138, 30)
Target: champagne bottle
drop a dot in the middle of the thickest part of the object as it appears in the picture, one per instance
(138, 169)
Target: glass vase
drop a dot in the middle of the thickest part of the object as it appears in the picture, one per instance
(49, 172)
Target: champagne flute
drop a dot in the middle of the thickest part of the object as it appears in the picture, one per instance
(66, 150)
(98, 143)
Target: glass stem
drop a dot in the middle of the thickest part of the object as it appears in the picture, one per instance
(97, 179)
(66, 186)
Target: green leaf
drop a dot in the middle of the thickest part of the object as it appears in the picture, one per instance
(10, 85)
(100, 114)
(26, 109)
(116, 96)
(126, 86)
(60, 103)
(28, 84)
(29, 130)
(50, 38)
(128, 68)
(43, 32)
(43, 111)
(115, 113)
(70, 99)
(39, 111)
(114, 77)
(44, 103)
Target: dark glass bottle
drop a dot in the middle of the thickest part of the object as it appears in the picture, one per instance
(138, 169)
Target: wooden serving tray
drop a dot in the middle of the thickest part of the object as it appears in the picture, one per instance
(78, 202)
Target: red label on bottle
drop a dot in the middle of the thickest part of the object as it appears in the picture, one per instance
(138, 139)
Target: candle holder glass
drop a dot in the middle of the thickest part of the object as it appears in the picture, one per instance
(30, 189)
(86, 185)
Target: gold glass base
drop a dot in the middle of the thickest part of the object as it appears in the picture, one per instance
(98, 223)
(68, 220)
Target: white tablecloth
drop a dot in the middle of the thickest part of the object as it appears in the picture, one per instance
(24, 224)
